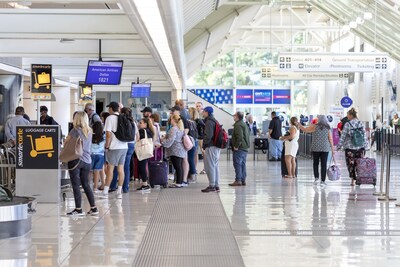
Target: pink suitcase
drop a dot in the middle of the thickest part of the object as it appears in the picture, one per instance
(366, 171)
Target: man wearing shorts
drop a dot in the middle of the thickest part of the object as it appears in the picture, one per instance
(115, 150)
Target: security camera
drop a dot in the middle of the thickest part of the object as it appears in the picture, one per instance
(309, 9)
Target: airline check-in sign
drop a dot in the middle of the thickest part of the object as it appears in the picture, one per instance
(331, 62)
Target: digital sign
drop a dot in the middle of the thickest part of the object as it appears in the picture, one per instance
(281, 97)
(104, 72)
(262, 96)
(140, 90)
(244, 96)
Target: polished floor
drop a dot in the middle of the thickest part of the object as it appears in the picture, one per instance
(270, 222)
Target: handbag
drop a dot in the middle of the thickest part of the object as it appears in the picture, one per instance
(187, 141)
(333, 171)
(144, 148)
(72, 150)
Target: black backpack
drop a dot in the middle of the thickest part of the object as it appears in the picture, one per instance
(200, 128)
(125, 129)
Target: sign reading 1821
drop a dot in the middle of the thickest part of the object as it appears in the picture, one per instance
(104, 72)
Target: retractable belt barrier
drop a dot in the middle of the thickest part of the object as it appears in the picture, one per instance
(386, 196)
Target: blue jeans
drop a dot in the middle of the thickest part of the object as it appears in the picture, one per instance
(275, 148)
(239, 163)
(128, 158)
(191, 155)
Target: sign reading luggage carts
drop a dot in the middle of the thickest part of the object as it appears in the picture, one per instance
(37, 147)
(41, 81)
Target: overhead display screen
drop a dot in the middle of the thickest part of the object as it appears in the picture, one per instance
(140, 90)
(104, 72)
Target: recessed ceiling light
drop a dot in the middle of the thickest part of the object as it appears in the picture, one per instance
(368, 15)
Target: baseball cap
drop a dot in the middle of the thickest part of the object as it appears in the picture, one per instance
(113, 105)
(43, 108)
(147, 109)
(175, 108)
(209, 110)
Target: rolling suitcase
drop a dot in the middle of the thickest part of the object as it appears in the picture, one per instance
(366, 171)
(158, 172)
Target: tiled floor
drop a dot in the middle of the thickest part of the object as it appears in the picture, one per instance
(270, 222)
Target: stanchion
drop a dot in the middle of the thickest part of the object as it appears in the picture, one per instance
(387, 195)
(380, 193)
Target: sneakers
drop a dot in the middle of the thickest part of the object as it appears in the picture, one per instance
(236, 183)
(208, 189)
(191, 181)
(185, 184)
(76, 212)
(93, 211)
(119, 195)
(323, 184)
(175, 185)
(103, 195)
(316, 181)
(203, 172)
(217, 189)
(143, 188)
(244, 183)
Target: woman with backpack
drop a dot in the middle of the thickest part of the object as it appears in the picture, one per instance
(354, 141)
(321, 144)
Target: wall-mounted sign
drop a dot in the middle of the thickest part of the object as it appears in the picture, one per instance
(262, 96)
(41, 81)
(37, 147)
(223, 96)
(85, 93)
(244, 96)
(331, 62)
(206, 94)
(273, 73)
(281, 97)
(346, 102)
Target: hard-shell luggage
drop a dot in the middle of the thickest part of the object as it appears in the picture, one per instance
(158, 172)
(283, 164)
(366, 171)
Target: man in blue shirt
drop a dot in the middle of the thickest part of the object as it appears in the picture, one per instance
(11, 125)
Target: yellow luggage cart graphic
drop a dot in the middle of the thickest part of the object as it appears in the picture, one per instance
(42, 79)
(86, 91)
(43, 145)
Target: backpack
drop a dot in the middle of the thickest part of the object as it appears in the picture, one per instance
(220, 136)
(193, 129)
(125, 129)
(200, 128)
(357, 136)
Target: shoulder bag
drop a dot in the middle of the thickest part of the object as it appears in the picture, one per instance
(144, 148)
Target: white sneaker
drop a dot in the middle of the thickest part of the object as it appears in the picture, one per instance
(323, 184)
(184, 184)
(103, 195)
(119, 195)
(316, 181)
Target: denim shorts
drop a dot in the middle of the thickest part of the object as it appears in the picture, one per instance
(97, 162)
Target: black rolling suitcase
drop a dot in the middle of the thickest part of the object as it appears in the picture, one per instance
(283, 163)
(158, 172)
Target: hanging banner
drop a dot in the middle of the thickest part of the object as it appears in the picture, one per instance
(281, 97)
(262, 96)
(244, 96)
(273, 73)
(85, 93)
(41, 81)
(332, 62)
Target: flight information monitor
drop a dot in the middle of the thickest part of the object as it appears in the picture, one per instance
(104, 72)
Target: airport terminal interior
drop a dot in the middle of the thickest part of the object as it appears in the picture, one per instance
(298, 58)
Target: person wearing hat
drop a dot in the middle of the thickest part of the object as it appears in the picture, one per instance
(115, 150)
(211, 152)
(44, 118)
(147, 111)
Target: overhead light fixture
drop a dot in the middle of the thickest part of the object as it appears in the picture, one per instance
(353, 24)
(359, 20)
(66, 40)
(368, 15)
(21, 5)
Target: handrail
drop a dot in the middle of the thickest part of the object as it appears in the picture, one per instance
(211, 103)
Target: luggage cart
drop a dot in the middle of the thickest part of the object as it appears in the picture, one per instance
(7, 167)
(43, 145)
(43, 79)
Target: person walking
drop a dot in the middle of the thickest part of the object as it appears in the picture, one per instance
(174, 149)
(80, 168)
(145, 127)
(291, 147)
(274, 133)
(353, 148)
(211, 152)
(115, 150)
(321, 144)
(240, 146)
(97, 154)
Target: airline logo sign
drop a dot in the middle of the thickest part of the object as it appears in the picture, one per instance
(244, 96)
(273, 73)
(281, 97)
(331, 62)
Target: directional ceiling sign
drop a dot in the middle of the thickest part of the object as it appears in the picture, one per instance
(333, 62)
(272, 72)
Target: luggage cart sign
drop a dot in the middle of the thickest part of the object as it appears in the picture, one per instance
(86, 93)
(41, 81)
(37, 147)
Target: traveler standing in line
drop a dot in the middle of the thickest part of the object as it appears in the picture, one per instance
(251, 124)
(97, 154)
(321, 144)
(291, 147)
(183, 111)
(192, 154)
(46, 119)
(93, 116)
(155, 120)
(131, 148)
(211, 152)
(147, 111)
(240, 147)
(348, 142)
(115, 150)
(80, 168)
(274, 133)
(200, 129)
(10, 128)
(174, 149)
(145, 127)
